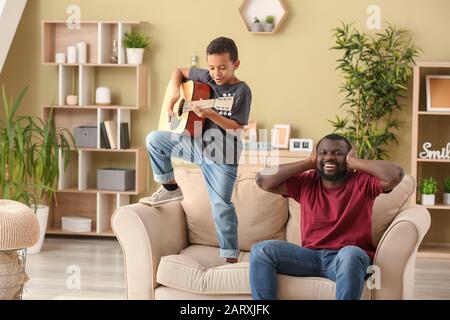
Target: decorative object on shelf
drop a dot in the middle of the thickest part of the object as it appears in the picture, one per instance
(268, 23)
(116, 179)
(72, 54)
(443, 154)
(447, 191)
(82, 52)
(104, 141)
(251, 10)
(256, 25)
(124, 136)
(103, 96)
(85, 136)
(111, 131)
(429, 188)
(115, 52)
(373, 86)
(29, 162)
(72, 100)
(76, 224)
(60, 58)
(281, 133)
(438, 93)
(301, 145)
(135, 44)
(194, 61)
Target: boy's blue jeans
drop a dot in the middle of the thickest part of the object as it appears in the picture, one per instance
(220, 180)
(347, 267)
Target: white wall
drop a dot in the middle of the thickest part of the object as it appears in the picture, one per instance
(10, 14)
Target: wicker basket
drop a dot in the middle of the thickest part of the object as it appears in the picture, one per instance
(12, 274)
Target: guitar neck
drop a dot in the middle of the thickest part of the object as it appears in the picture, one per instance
(201, 104)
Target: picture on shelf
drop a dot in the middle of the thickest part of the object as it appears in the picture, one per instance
(281, 134)
(301, 145)
(438, 93)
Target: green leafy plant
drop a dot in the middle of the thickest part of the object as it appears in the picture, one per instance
(447, 185)
(429, 186)
(270, 19)
(377, 70)
(136, 40)
(256, 20)
(29, 149)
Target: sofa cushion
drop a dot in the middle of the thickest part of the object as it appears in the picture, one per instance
(387, 206)
(261, 215)
(198, 270)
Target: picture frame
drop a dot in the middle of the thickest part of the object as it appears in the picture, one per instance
(438, 93)
(301, 145)
(250, 133)
(281, 133)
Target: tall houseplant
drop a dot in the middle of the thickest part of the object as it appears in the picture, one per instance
(377, 70)
(29, 159)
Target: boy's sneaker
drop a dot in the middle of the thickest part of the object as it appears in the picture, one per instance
(162, 196)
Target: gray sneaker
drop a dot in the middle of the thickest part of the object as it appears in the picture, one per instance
(162, 196)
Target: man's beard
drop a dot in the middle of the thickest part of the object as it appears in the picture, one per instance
(338, 175)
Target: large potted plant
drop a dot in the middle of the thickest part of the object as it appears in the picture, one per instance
(377, 70)
(135, 44)
(29, 159)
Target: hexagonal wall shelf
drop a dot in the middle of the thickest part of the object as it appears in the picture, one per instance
(250, 9)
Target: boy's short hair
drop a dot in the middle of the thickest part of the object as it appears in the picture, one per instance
(223, 45)
(335, 136)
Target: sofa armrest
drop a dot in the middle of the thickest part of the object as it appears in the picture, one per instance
(397, 251)
(146, 234)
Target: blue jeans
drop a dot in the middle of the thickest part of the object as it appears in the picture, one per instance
(220, 180)
(347, 267)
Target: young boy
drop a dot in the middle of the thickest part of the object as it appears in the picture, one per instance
(217, 152)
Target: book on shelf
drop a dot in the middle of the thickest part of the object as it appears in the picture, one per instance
(111, 130)
(104, 141)
(124, 136)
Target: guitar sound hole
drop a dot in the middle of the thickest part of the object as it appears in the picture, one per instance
(180, 109)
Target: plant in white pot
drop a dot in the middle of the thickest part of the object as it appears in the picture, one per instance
(256, 26)
(135, 44)
(29, 161)
(447, 191)
(268, 24)
(429, 188)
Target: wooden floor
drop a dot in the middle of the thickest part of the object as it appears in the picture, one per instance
(68, 269)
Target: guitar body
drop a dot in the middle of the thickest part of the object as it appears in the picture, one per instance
(184, 122)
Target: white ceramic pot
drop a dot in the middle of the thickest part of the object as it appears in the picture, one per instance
(135, 56)
(72, 54)
(256, 27)
(428, 199)
(103, 96)
(82, 52)
(268, 27)
(447, 198)
(42, 216)
(72, 100)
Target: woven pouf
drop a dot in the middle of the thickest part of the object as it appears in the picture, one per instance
(19, 229)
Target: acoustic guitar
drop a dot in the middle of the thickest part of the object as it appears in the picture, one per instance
(192, 94)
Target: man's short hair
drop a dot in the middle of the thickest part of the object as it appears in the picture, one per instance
(223, 45)
(335, 136)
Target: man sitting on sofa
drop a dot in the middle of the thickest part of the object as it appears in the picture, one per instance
(336, 191)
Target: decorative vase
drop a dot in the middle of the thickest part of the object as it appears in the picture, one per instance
(42, 217)
(428, 199)
(447, 198)
(72, 54)
(256, 27)
(268, 27)
(135, 55)
(72, 100)
(82, 52)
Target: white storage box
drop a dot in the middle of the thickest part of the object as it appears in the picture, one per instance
(76, 224)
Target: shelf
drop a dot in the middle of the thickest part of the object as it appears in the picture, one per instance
(434, 252)
(95, 191)
(109, 65)
(131, 150)
(56, 231)
(433, 113)
(433, 160)
(92, 107)
(250, 9)
(438, 207)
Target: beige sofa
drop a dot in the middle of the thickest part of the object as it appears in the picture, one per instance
(171, 252)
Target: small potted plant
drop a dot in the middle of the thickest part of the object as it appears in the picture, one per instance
(268, 24)
(256, 25)
(447, 191)
(135, 44)
(429, 188)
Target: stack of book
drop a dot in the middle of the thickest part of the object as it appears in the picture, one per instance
(109, 136)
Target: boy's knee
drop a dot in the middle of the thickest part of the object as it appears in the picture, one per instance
(263, 249)
(153, 138)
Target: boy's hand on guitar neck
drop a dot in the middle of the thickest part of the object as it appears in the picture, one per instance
(204, 113)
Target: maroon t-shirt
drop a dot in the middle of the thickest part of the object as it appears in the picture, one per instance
(333, 218)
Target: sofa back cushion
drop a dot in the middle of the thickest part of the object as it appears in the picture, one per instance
(261, 215)
(388, 205)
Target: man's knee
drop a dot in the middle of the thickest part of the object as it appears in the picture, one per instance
(352, 255)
